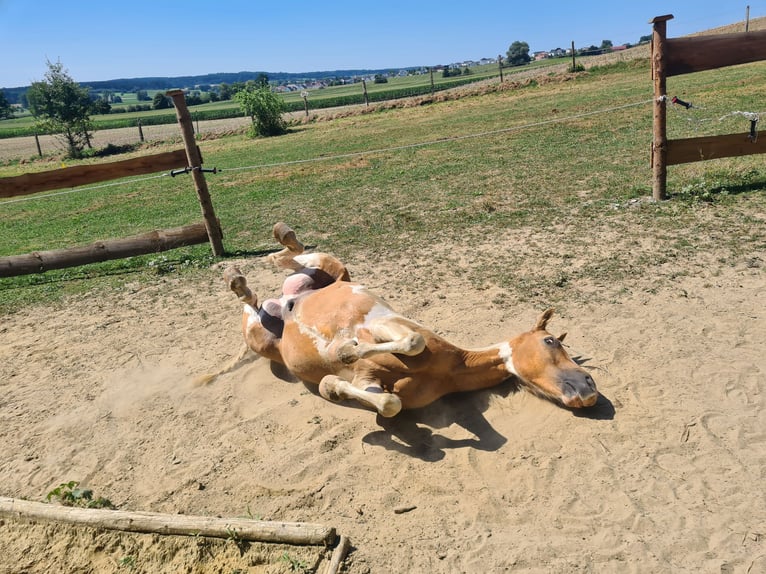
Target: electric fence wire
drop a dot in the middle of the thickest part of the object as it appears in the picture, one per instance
(353, 154)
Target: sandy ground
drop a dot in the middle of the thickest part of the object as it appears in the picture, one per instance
(665, 474)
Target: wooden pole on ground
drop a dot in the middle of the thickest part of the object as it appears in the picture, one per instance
(174, 524)
(500, 66)
(338, 555)
(195, 162)
(660, 139)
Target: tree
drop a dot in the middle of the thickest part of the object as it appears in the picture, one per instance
(6, 112)
(518, 54)
(262, 81)
(61, 106)
(101, 106)
(265, 110)
(606, 46)
(160, 101)
(224, 90)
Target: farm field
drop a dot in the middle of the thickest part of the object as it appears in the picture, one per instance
(470, 215)
(124, 114)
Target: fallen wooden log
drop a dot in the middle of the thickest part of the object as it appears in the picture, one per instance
(177, 524)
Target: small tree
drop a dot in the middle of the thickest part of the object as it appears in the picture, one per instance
(262, 81)
(160, 101)
(518, 54)
(265, 110)
(224, 91)
(100, 106)
(61, 106)
(6, 112)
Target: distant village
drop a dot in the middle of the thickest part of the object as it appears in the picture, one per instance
(286, 86)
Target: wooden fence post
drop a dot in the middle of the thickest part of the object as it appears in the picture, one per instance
(140, 131)
(37, 143)
(660, 138)
(574, 60)
(500, 66)
(195, 163)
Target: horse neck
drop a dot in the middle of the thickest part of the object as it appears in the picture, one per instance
(484, 368)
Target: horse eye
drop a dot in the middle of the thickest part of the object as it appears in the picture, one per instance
(550, 341)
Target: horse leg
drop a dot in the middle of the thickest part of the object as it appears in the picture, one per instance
(336, 389)
(238, 283)
(285, 259)
(390, 336)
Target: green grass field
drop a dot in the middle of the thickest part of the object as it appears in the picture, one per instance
(566, 155)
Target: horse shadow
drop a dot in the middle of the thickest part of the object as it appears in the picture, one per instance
(416, 433)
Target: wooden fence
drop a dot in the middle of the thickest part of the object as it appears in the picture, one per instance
(151, 242)
(676, 56)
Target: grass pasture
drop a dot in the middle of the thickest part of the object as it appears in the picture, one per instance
(564, 159)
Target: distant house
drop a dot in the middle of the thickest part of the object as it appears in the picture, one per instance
(536, 56)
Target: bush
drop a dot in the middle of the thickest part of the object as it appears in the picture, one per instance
(265, 110)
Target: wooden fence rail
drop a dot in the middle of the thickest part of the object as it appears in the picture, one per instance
(676, 56)
(151, 242)
(78, 175)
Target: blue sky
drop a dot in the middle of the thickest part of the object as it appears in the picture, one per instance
(104, 40)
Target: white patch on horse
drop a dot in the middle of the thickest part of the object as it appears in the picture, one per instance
(378, 311)
(252, 316)
(506, 354)
(311, 260)
(320, 343)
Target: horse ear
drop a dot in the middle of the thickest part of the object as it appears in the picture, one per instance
(542, 322)
(561, 337)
